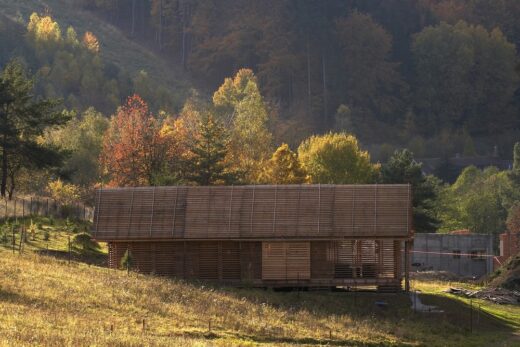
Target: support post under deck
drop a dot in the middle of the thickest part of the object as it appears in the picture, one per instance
(407, 266)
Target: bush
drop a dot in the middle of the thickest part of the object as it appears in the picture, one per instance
(46, 235)
(3, 237)
(68, 211)
(84, 242)
(32, 230)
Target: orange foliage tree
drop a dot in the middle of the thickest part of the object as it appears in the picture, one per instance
(91, 42)
(133, 147)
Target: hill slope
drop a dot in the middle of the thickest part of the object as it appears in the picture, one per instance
(45, 301)
(115, 46)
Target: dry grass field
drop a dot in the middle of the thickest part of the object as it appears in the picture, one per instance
(44, 300)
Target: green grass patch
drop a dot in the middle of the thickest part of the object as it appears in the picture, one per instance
(48, 236)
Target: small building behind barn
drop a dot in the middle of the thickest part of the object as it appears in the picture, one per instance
(463, 254)
(264, 235)
(509, 245)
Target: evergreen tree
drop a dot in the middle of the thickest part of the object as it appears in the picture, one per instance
(207, 163)
(402, 168)
(516, 157)
(23, 119)
(514, 174)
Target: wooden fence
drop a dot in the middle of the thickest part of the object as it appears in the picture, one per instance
(45, 207)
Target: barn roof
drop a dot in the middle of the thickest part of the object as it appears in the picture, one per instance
(252, 212)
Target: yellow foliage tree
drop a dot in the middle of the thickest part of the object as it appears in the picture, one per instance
(64, 193)
(91, 42)
(336, 158)
(240, 105)
(283, 167)
(43, 28)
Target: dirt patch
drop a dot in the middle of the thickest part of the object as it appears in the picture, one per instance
(508, 275)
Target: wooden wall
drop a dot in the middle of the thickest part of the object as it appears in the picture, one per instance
(267, 263)
(253, 212)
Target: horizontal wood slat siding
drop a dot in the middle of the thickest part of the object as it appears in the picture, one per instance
(253, 212)
(377, 262)
(286, 261)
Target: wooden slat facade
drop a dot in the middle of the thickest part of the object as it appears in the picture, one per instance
(346, 263)
(292, 235)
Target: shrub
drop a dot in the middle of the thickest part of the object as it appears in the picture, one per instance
(46, 235)
(64, 193)
(84, 242)
(32, 230)
(67, 212)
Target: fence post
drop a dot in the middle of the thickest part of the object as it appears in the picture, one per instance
(470, 315)
(15, 215)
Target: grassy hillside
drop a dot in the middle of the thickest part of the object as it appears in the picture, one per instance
(115, 46)
(44, 300)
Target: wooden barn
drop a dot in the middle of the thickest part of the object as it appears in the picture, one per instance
(262, 235)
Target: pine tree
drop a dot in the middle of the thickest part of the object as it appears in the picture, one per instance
(23, 120)
(207, 163)
(402, 168)
(514, 174)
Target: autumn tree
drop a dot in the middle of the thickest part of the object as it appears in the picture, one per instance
(23, 121)
(283, 167)
(133, 149)
(91, 42)
(239, 104)
(336, 158)
(513, 219)
(207, 164)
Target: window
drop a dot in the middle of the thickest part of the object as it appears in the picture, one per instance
(456, 254)
(478, 255)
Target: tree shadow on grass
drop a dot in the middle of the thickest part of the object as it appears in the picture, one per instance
(15, 298)
(457, 319)
(275, 339)
(90, 257)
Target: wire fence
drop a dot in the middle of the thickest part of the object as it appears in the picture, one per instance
(44, 207)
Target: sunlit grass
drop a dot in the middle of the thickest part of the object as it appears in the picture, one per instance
(44, 300)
